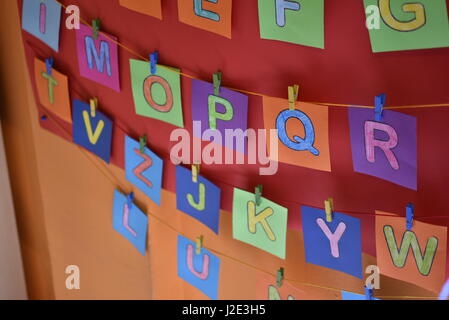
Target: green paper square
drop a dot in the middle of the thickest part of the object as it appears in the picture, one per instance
(434, 33)
(304, 27)
(140, 71)
(277, 222)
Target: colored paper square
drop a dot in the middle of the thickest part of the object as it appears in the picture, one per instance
(345, 295)
(269, 233)
(397, 257)
(98, 59)
(335, 245)
(131, 223)
(157, 96)
(143, 170)
(267, 289)
(92, 133)
(43, 20)
(211, 15)
(295, 21)
(234, 107)
(423, 24)
(151, 8)
(53, 91)
(200, 200)
(200, 270)
(398, 132)
(315, 140)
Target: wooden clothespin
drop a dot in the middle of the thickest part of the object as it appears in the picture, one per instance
(199, 244)
(280, 277)
(217, 82)
(195, 172)
(154, 57)
(258, 194)
(293, 92)
(49, 65)
(329, 208)
(93, 107)
(409, 213)
(379, 103)
(143, 143)
(95, 28)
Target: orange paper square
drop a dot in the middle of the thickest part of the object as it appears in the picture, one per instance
(319, 115)
(61, 103)
(152, 8)
(409, 272)
(186, 12)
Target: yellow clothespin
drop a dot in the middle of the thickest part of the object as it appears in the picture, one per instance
(93, 107)
(293, 92)
(199, 244)
(329, 207)
(195, 172)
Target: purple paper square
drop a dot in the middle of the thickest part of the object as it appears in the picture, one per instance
(201, 91)
(401, 168)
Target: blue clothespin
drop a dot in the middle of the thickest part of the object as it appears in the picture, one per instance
(379, 103)
(44, 117)
(409, 212)
(368, 293)
(49, 65)
(154, 57)
(130, 200)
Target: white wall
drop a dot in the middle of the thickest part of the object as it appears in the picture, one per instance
(12, 281)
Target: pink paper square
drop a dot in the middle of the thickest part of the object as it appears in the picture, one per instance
(103, 66)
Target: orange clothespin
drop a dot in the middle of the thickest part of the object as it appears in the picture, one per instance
(293, 92)
(195, 172)
(93, 107)
(199, 244)
(329, 208)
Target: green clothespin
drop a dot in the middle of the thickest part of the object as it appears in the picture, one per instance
(143, 143)
(96, 27)
(217, 83)
(258, 193)
(280, 277)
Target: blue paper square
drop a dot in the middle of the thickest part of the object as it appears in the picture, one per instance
(101, 144)
(189, 263)
(45, 14)
(348, 258)
(210, 213)
(135, 227)
(143, 170)
(353, 296)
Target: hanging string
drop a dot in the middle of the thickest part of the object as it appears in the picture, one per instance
(115, 181)
(142, 57)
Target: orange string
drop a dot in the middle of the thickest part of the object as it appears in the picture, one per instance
(251, 92)
(100, 166)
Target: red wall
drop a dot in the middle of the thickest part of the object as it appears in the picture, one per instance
(345, 72)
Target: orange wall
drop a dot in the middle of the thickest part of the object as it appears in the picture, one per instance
(63, 199)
